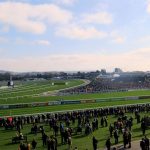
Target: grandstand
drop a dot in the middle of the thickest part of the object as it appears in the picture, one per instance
(109, 83)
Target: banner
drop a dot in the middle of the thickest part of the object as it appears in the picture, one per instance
(144, 97)
(4, 106)
(39, 104)
(102, 100)
(132, 98)
(71, 102)
(88, 101)
(51, 103)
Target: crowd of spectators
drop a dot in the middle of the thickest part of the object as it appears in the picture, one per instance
(107, 85)
(82, 120)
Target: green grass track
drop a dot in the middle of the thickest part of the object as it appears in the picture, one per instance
(29, 99)
(21, 111)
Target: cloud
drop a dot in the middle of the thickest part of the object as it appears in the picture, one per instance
(3, 40)
(129, 61)
(20, 41)
(65, 2)
(32, 18)
(83, 27)
(35, 19)
(4, 28)
(144, 39)
(81, 33)
(116, 37)
(97, 18)
(1, 50)
(148, 6)
(118, 40)
(42, 42)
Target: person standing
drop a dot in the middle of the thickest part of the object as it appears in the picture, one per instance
(108, 144)
(116, 136)
(125, 139)
(28, 146)
(44, 138)
(111, 130)
(142, 144)
(146, 143)
(143, 127)
(95, 141)
(129, 139)
(49, 143)
(69, 143)
(34, 143)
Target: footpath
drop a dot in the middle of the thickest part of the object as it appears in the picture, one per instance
(134, 146)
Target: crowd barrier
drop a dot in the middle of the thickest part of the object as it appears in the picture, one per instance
(65, 102)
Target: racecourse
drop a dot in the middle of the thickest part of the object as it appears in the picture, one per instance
(43, 109)
(32, 98)
(42, 91)
(34, 91)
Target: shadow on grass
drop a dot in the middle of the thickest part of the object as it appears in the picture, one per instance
(8, 144)
(10, 130)
(79, 136)
(138, 136)
(137, 130)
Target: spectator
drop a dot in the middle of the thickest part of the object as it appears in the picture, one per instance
(142, 144)
(116, 136)
(95, 141)
(138, 118)
(34, 143)
(76, 148)
(49, 144)
(108, 144)
(146, 143)
(143, 127)
(28, 146)
(129, 139)
(44, 138)
(111, 130)
(55, 139)
(21, 136)
(22, 146)
(69, 143)
(125, 139)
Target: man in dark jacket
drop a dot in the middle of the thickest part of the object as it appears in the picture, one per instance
(146, 143)
(142, 144)
(108, 144)
(95, 141)
(125, 139)
(143, 127)
(34, 143)
(129, 139)
(116, 136)
(111, 130)
(44, 139)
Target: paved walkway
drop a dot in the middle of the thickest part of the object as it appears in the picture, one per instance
(56, 92)
(134, 146)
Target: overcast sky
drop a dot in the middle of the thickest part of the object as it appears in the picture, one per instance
(73, 35)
